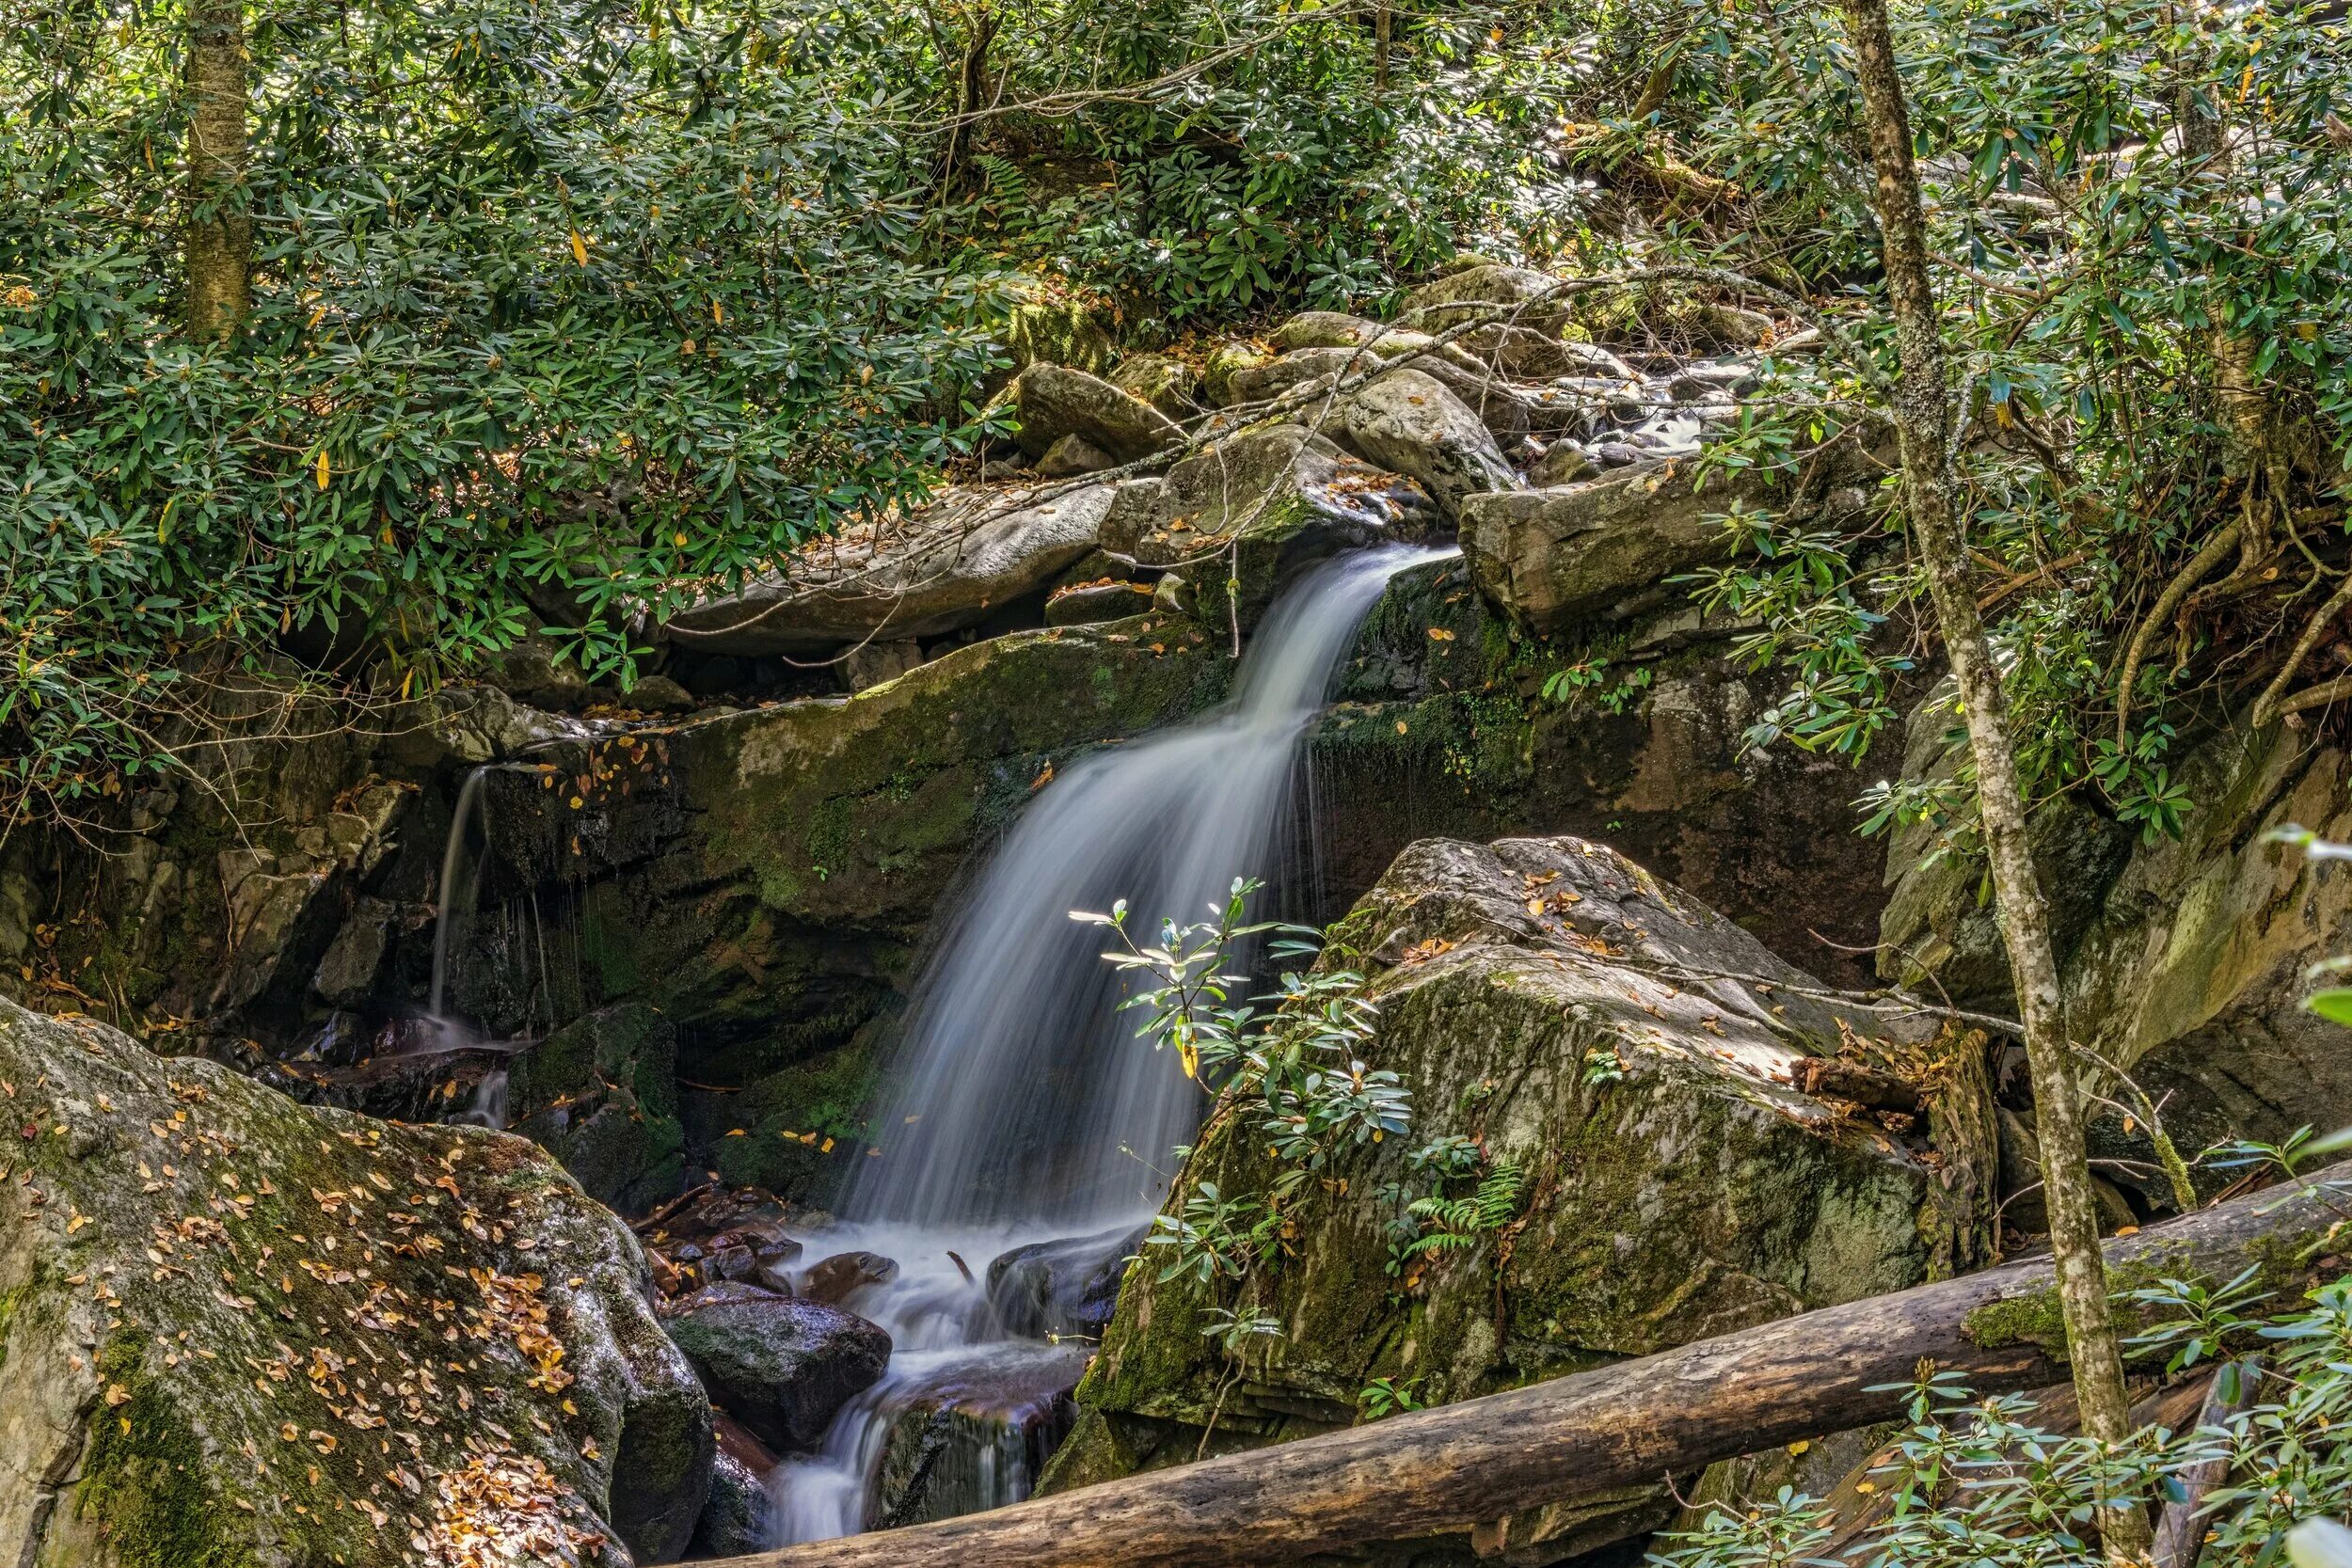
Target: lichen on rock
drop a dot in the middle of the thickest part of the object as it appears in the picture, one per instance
(243, 1331)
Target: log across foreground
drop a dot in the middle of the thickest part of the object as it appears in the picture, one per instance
(1451, 1469)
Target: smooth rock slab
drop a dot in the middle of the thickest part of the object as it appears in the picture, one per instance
(783, 1368)
(1054, 401)
(942, 569)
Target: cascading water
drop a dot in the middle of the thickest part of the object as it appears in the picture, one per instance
(1026, 1110)
(461, 877)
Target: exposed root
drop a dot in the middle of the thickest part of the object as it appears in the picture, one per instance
(2322, 695)
(2267, 706)
(2167, 603)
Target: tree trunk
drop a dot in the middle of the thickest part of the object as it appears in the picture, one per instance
(219, 245)
(1922, 415)
(1462, 1466)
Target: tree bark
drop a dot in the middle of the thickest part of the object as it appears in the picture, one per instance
(1923, 426)
(1461, 1466)
(219, 243)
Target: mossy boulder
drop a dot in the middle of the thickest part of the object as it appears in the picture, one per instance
(239, 1330)
(2183, 959)
(1617, 1057)
(1259, 507)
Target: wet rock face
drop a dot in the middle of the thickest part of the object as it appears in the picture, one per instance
(975, 1437)
(1406, 420)
(1062, 1288)
(241, 1329)
(735, 1519)
(1619, 1056)
(783, 1368)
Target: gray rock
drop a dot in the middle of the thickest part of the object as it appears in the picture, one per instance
(1062, 1288)
(1054, 401)
(348, 972)
(1500, 407)
(1333, 329)
(1551, 558)
(783, 1368)
(1162, 380)
(1225, 361)
(1072, 455)
(869, 664)
(659, 694)
(1563, 463)
(1408, 422)
(936, 572)
(1288, 498)
(567, 1403)
(735, 1518)
(1529, 298)
(1526, 354)
(953, 1437)
(1258, 382)
(833, 1280)
(1086, 603)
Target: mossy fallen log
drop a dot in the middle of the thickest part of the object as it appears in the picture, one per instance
(1463, 1466)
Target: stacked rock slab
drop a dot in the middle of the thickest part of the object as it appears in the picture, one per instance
(241, 1330)
(1626, 1054)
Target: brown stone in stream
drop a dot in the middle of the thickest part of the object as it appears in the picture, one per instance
(832, 1281)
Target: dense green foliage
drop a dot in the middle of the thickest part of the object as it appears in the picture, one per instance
(566, 311)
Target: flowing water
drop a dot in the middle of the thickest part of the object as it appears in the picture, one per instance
(1026, 1110)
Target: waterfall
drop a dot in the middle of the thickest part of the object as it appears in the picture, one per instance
(1026, 1110)
(461, 879)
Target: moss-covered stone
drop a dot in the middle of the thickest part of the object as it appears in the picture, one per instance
(245, 1331)
(1623, 1054)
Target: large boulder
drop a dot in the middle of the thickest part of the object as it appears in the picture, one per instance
(239, 1329)
(1283, 496)
(1407, 421)
(1054, 401)
(784, 1368)
(945, 567)
(1554, 557)
(1523, 296)
(1162, 380)
(1612, 1060)
(2184, 960)
(1333, 329)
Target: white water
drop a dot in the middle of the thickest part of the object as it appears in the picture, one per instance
(1027, 1109)
(461, 877)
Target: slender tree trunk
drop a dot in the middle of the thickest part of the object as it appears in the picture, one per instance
(219, 241)
(1383, 36)
(1923, 425)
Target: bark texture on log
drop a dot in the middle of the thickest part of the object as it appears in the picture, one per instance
(1451, 1469)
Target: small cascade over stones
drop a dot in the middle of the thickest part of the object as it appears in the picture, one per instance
(1030, 1132)
(461, 879)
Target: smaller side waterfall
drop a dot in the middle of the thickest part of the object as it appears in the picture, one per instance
(461, 879)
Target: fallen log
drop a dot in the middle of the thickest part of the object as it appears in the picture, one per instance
(1456, 1468)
